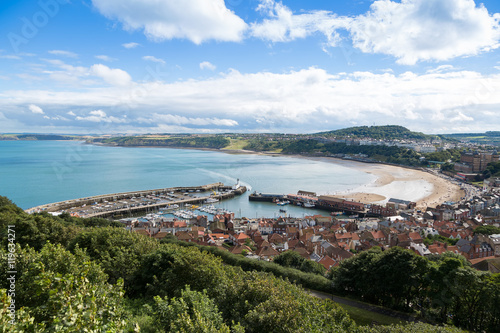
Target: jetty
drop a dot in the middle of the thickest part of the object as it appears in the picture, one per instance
(117, 205)
(311, 200)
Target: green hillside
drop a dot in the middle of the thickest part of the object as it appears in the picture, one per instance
(388, 132)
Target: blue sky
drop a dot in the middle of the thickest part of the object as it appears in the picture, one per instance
(209, 66)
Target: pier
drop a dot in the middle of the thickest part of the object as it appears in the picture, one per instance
(136, 202)
(322, 202)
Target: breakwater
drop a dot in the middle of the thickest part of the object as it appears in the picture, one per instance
(135, 202)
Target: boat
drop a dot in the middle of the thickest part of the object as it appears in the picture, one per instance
(282, 210)
(309, 205)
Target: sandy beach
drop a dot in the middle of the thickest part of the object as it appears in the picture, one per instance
(424, 188)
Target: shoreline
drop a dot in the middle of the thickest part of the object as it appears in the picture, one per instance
(399, 182)
(420, 186)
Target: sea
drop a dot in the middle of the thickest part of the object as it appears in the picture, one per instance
(40, 172)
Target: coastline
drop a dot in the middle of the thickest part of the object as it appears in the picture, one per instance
(399, 182)
(424, 188)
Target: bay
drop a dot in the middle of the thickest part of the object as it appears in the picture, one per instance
(39, 172)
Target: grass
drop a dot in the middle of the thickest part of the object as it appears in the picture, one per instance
(236, 144)
(366, 318)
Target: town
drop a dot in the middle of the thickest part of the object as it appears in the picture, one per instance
(328, 239)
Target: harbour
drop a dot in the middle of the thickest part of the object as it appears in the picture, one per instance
(118, 205)
(311, 200)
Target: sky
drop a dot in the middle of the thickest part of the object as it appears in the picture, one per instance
(249, 66)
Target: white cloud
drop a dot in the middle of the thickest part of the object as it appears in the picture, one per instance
(170, 119)
(196, 20)
(305, 100)
(130, 45)
(409, 30)
(71, 113)
(35, 109)
(63, 53)
(284, 26)
(85, 76)
(153, 59)
(10, 56)
(441, 69)
(104, 58)
(99, 116)
(460, 117)
(415, 30)
(207, 65)
(113, 76)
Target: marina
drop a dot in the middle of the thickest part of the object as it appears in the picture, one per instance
(178, 201)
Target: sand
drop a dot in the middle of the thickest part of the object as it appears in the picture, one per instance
(425, 188)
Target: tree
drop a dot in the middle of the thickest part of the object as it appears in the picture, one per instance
(192, 312)
(63, 292)
(295, 260)
(394, 278)
(119, 251)
(487, 230)
(167, 270)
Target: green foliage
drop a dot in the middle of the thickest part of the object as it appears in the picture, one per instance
(487, 230)
(264, 144)
(36, 137)
(193, 312)
(264, 303)
(63, 292)
(410, 328)
(450, 167)
(444, 155)
(166, 271)
(444, 289)
(187, 141)
(492, 170)
(388, 132)
(307, 280)
(390, 154)
(119, 251)
(430, 239)
(34, 230)
(395, 277)
(439, 258)
(15, 319)
(295, 260)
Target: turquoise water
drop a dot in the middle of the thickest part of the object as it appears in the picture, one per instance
(38, 172)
